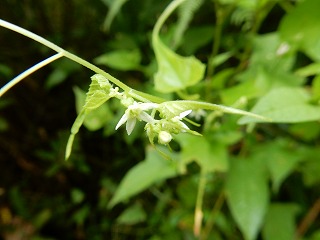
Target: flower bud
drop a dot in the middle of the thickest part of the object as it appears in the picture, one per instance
(164, 137)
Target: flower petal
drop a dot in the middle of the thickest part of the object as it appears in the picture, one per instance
(122, 120)
(130, 125)
(184, 114)
(145, 117)
(147, 106)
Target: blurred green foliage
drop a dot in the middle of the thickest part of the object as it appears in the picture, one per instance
(254, 181)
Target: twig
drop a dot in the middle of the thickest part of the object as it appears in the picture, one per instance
(308, 219)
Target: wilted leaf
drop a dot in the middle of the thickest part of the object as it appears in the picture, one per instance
(247, 194)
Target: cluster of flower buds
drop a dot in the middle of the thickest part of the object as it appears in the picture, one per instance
(161, 128)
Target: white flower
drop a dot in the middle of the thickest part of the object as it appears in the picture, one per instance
(164, 137)
(198, 114)
(177, 119)
(136, 111)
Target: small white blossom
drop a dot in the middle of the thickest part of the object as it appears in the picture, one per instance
(177, 119)
(198, 114)
(136, 111)
(164, 137)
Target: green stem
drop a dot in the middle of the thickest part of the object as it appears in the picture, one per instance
(37, 38)
(216, 41)
(163, 17)
(260, 15)
(29, 71)
(211, 220)
(198, 214)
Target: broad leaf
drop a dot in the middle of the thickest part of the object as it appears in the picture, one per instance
(174, 71)
(247, 194)
(311, 69)
(300, 27)
(281, 160)
(210, 156)
(270, 65)
(132, 215)
(285, 105)
(280, 222)
(121, 59)
(153, 169)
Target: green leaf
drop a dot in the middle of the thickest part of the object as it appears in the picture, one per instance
(210, 156)
(316, 88)
(300, 28)
(268, 69)
(285, 105)
(247, 194)
(97, 95)
(311, 168)
(115, 7)
(280, 222)
(77, 195)
(132, 215)
(311, 69)
(123, 60)
(100, 115)
(153, 169)
(174, 71)
(281, 160)
(62, 69)
(191, 40)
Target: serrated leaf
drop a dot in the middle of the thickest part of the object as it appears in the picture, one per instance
(280, 222)
(285, 105)
(209, 156)
(153, 169)
(300, 27)
(247, 194)
(97, 94)
(96, 115)
(123, 60)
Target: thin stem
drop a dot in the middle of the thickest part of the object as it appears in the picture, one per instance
(310, 218)
(211, 220)
(163, 17)
(198, 214)
(77, 59)
(260, 15)
(216, 40)
(29, 71)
